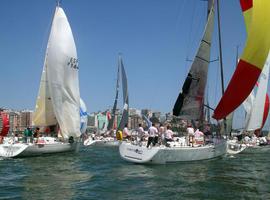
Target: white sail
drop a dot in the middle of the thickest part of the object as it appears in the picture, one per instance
(62, 75)
(256, 116)
(190, 102)
(247, 104)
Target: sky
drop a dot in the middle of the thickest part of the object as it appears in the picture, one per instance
(155, 37)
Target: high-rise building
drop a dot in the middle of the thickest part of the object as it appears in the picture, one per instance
(134, 121)
(26, 119)
(14, 121)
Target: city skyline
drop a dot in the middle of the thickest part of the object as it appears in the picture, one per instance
(155, 38)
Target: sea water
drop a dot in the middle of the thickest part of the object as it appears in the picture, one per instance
(100, 173)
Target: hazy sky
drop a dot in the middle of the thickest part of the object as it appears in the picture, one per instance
(154, 36)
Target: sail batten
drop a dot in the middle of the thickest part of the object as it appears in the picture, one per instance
(190, 102)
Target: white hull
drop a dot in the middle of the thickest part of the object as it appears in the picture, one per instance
(33, 149)
(162, 155)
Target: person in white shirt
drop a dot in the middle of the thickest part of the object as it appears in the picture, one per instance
(169, 134)
(140, 132)
(153, 132)
(126, 132)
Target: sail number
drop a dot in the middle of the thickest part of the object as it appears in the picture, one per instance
(73, 63)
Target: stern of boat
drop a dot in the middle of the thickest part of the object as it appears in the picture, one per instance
(137, 154)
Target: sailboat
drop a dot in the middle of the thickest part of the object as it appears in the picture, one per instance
(58, 101)
(255, 117)
(111, 139)
(189, 105)
(253, 60)
(257, 109)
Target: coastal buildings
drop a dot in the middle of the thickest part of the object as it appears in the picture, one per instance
(19, 120)
(99, 120)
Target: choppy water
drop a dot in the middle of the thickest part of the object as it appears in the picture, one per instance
(99, 173)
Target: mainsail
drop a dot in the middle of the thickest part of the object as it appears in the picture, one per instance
(253, 58)
(59, 97)
(112, 119)
(124, 119)
(190, 102)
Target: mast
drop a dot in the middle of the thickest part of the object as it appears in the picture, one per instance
(207, 111)
(220, 49)
(221, 60)
(58, 3)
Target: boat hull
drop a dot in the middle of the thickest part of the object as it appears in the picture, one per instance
(163, 155)
(25, 150)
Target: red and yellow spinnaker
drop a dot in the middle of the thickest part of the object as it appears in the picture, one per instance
(251, 63)
(246, 6)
